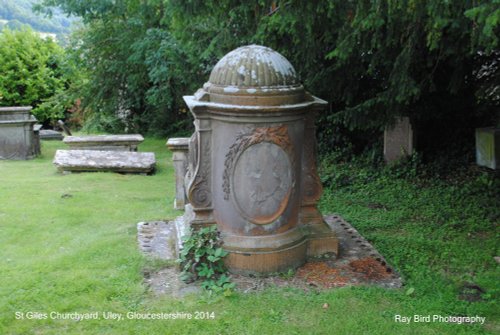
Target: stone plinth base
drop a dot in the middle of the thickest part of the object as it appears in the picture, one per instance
(104, 142)
(158, 239)
(68, 161)
(278, 253)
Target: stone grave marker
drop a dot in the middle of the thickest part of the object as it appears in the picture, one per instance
(17, 136)
(179, 147)
(50, 135)
(399, 140)
(68, 161)
(488, 147)
(252, 163)
(104, 142)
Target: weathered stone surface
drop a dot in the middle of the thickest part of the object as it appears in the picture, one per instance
(399, 140)
(104, 142)
(17, 138)
(36, 139)
(160, 239)
(179, 147)
(488, 147)
(15, 113)
(252, 163)
(50, 135)
(156, 239)
(95, 160)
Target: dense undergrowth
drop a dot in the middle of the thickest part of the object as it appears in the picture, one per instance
(438, 226)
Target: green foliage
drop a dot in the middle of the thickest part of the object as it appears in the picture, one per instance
(372, 60)
(201, 257)
(31, 72)
(438, 231)
(137, 71)
(486, 18)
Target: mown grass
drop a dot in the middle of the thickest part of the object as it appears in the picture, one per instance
(68, 244)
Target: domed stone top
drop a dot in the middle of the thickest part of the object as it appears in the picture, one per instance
(253, 66)
(254, 75)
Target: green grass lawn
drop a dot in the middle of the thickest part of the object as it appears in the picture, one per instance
(68, 244)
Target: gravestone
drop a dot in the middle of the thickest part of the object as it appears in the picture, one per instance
(104, 142)
(399, 140)
(50, 135)
(17, 137)
(68, 161)
(252, 163)
(36, 139)
(179, 147)
(488, 147)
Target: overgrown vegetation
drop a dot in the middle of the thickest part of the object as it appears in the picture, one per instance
(201, 258)
(437, 227)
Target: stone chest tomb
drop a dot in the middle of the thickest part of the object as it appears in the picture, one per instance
(252, 163)
(17, 137)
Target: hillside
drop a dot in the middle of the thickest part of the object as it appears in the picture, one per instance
(16, 13)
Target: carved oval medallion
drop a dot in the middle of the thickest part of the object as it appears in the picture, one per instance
(262, 182)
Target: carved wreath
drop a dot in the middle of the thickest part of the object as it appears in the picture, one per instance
(277, 135)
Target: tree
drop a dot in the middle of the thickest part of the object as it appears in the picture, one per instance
(30, 72)
(372, 60)
(136, 68)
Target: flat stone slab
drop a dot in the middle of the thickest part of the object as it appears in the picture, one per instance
(358, 262)
(68, 161)
(104, 142)
(50, 135)
(157, 239)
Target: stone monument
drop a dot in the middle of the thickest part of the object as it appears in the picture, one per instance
(488, 147)
(252, 163)
(179, 147)
(399, 140)
(126, 142)
(17, 137)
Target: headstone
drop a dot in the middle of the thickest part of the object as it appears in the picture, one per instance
(252, 163)
(104, 142)
(68, 161)
(36, 139)
(398, 140)
(17, 138)
(488, 147)
(179, 147)
(50, 135)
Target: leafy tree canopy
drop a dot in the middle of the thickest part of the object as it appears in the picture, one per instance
(31, 72)
(372, 60)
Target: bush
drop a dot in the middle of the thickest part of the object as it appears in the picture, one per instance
(201, 257)
(30, 72)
